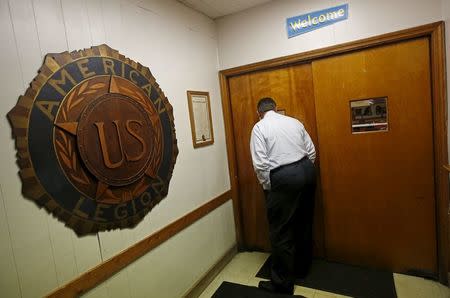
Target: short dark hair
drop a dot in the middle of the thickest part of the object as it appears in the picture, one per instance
(266, 104)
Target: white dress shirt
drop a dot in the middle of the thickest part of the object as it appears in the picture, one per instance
(278, 140)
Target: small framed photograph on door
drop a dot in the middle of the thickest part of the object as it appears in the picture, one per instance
(369, 115)
(200, 116)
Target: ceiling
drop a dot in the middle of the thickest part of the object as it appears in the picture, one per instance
(218, 8)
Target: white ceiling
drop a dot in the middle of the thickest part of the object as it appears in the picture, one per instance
(218, 8)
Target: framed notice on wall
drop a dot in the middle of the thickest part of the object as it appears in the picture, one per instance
(200, 116)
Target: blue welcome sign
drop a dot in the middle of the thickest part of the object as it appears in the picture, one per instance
(315, 20)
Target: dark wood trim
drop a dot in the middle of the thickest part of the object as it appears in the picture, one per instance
(231, 153)
(108, 268)
(439, 92)
(435, 33)
(209, 276)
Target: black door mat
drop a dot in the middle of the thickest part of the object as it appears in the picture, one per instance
(343, 279)
(232, 290)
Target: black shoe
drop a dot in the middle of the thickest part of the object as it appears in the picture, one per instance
(268, 286)
(302, 270)
(302, 273)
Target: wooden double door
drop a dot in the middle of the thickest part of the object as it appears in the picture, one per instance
(375, 202)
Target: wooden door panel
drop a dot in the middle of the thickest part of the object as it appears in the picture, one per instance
(254, 223)
(292, 89)
(378, 187)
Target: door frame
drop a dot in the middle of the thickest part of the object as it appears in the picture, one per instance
(436, 36)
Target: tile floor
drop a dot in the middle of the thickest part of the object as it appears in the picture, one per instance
(244, 266)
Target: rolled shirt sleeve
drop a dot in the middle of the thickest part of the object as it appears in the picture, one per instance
(260, 158)
(310, 149)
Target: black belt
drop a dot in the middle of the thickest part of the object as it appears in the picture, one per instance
(286, 165)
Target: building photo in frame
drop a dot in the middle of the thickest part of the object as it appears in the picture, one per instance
(200, 117)
(369, 115)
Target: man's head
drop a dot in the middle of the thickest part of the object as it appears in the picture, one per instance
(266, 104)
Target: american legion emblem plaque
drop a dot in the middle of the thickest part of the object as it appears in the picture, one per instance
(95, 139)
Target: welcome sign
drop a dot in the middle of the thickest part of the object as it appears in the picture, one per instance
(315, 20)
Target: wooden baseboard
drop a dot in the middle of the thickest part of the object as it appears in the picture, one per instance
(209, 276)
(108, 268)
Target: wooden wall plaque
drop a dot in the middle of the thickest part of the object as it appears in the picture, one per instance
(95, 139)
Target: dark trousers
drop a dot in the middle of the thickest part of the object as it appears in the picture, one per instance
(290, 208)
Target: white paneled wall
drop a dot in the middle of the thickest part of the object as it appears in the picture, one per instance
(37, 252)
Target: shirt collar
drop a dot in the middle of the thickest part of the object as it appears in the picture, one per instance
(269, 113)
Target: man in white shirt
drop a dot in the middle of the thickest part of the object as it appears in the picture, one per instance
(283, 156)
